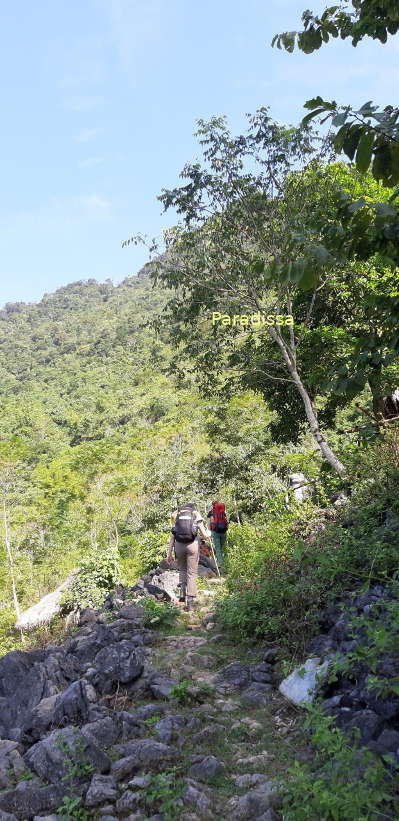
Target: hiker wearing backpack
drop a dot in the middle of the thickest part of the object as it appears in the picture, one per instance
(188, 525)
(218, 523)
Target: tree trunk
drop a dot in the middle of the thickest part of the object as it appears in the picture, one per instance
(374, 381)
(10, 562)
(310, 410)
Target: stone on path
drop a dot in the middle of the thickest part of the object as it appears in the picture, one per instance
(300, 686)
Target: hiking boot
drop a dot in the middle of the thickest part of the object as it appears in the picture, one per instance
(182, 597)
(190, 603)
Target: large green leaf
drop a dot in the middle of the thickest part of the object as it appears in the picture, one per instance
(351, 141)
(309, 278)
(365, 150)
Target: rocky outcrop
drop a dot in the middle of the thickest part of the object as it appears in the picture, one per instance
(46, 608)
(71, 725)
(358, 707)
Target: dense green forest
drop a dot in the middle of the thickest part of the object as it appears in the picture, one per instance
(101, 436)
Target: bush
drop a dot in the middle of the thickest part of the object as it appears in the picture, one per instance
(9, 638)
(281, 577)
(98, 574)
(159, 614)
(343, 782)
(145, 552)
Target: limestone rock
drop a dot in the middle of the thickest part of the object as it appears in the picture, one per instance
(161, 686)
(195, 796)
(168, 728)
(28, 799)
(102, 788)
(51, 757)
(146, 753)
(46, 608)
(206, 769)
(253, 803)
(119, 663)
(129, 800)
(300, 685)
(102, 732)
(234, 676)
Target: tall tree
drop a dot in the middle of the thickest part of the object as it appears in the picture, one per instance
(233, 252)
(367, 135)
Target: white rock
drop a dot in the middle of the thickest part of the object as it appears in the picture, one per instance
(46, 608)
(299, 686)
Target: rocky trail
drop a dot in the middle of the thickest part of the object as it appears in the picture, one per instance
(126, 721)
(144, 711)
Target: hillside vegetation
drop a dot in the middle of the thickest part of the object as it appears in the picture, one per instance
(101, 436)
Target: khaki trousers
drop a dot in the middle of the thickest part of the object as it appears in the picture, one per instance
(187, 556)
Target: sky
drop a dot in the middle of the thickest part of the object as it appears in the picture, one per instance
(100, 100)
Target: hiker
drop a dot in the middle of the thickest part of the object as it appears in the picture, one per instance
(188, 525)
(218, 523)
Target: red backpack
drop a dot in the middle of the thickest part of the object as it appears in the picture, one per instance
(220, 523)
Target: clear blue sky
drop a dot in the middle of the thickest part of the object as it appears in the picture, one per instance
(99, 105)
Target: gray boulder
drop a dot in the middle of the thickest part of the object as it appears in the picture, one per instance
(387, 742)
(207, 734)
(28, 799)
(169, 727)
(261, 672)
(52, 817)
(124, 767)
(206, 769)
(129, 726)
(146, 752)
(133, 612)
(257, 695)
(246, 780)
(102, 789)
(102, 732)
(40, 718)
(10, 761)
(23, 683)
(254, 803)
(139, 782)
(119, 663)
(195, 795)
(128, 801)
(234, 676)
(57, 757)
(147, 711)
(367, 722)
(161, 686)
(166, 581)
(72, 706)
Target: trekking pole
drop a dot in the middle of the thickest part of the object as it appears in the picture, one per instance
(214, 557)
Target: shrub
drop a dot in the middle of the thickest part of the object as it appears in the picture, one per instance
(159, 614)
(144, 553)
(281, 576)
(98, 574)
(343, 782)
(9, 638)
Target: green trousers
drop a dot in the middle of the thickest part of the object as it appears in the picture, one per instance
(218, 541)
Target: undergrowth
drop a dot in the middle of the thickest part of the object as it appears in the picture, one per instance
(342, 782)
(281, 576)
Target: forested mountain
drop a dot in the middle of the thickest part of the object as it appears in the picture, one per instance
(101, 435)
